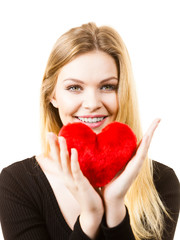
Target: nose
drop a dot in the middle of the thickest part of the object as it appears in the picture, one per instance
(92, 100)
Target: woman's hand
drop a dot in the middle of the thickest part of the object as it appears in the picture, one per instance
(114, 192)
(89, 200)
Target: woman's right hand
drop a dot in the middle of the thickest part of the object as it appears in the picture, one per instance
(89, 200)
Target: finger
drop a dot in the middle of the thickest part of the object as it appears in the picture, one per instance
(64, 156)
(152, 129)
(54, 146)
(146, 140)
(76, 171)
(74, 162)
(78, 176)
(134, 166)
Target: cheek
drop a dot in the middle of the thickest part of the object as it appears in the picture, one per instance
(67, 105)
(111, 103)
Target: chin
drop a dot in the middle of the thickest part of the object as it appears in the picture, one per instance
(97, 131)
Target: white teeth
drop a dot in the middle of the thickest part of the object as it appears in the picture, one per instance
(91, 120)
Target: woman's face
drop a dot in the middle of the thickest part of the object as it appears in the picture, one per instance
(86, 90)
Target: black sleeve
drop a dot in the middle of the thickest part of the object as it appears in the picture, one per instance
(122, 231)
(78, 233)
(168, 187)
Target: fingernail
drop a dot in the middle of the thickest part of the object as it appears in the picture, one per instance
(61, 139)
(72, 150)
(158, 120)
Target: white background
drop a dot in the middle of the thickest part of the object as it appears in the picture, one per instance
(28, 30)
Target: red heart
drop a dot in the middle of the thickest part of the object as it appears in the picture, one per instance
(101, 156)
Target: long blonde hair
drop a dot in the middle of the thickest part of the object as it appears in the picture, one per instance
(144, 205)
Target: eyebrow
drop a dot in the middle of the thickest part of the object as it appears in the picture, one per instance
(79, 81)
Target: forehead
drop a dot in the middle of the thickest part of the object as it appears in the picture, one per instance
(95, 65)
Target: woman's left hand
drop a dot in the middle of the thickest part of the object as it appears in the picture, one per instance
(113, 193)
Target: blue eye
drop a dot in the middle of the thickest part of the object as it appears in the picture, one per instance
(74, 88)
(109, 87)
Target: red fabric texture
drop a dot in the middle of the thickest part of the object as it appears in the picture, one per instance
(101, 156)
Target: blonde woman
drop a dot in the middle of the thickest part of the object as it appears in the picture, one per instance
(88, 79)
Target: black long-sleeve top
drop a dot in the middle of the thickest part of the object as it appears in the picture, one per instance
(29, 209)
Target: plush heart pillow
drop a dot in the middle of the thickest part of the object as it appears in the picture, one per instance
(101, 156)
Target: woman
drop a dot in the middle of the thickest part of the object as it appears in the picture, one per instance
(88, 79)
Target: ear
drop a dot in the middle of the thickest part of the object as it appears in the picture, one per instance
(54, 102)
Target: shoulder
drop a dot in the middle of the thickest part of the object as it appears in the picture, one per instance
(20, 179)
(164, 176)
(20, 169)
(25, 163)
(163, 172)
(167, 184)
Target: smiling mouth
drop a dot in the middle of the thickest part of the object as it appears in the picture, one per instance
(91, 119)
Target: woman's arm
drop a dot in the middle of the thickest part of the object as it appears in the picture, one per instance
(114, 192)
